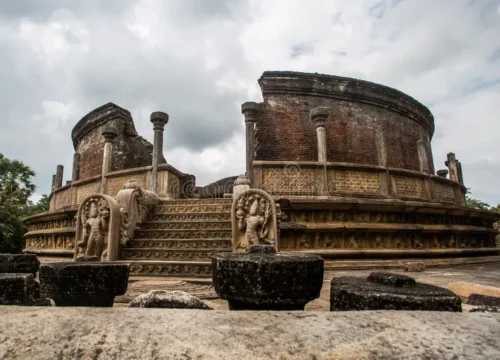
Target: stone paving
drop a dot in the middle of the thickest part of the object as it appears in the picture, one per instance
(479, 274)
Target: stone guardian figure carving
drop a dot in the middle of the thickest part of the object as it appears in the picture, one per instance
(98, 228)
(254, 220)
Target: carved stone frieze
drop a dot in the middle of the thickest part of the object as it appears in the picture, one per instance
(62, 198)
(186, 226)
(355, 181)
(290, 179)
(181, 244)
(86, 190)
(254, 220)
(320, 240)
(192, 217)
(443, 192)
(140, 234)
(50, 242)
(409, 186)
(171, 269)
(169, 209)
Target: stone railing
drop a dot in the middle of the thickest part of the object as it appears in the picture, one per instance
(170, 185)
(67, 231)
(315, 179)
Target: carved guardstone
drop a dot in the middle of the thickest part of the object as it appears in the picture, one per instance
(253, 217)
(386, 291)
(100, 225)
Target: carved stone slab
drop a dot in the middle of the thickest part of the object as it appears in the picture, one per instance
(98, 228)
(253, 217)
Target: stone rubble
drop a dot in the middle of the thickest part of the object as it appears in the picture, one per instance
(168, 300)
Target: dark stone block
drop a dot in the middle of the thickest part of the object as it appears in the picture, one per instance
(391, 279)
(477, 299)
(267, 281)
(17, 289)
(83, 283)
(389, 292)
(19, 263)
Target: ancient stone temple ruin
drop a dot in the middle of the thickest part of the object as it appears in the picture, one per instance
(347, 163)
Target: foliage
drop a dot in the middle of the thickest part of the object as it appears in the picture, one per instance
(479, 204)
(16, 187)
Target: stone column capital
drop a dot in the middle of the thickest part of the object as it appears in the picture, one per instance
(110, 133)
(319, 115)
(250, 110)
(159, 120)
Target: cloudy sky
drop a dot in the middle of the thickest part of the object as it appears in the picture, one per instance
(199, 60)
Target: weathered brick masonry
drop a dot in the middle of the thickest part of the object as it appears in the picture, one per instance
(130, 150)
(359, 110)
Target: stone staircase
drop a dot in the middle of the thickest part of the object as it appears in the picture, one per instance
(180, 238)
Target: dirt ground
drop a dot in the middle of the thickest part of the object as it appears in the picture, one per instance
(479, 274)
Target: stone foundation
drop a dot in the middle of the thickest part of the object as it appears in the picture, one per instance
(125, 333)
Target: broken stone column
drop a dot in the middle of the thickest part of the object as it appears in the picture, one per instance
(17, 279)
(386, 291)
(159, 120)
(250, 111)
(75, 176)
(110, 133)
(53, 183)
(451, 163)
(59, 176)
(460, 174)
(83, 283)
(319, 115)
(265, 280)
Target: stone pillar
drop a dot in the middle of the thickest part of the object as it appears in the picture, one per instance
(241, 184)
(53, 183)
(75, 176)
(451, 163)
(319, 115)
(422, 157)
(460, 174)
(110, 133)
(250, 111)
(59, 176)
(159, 120)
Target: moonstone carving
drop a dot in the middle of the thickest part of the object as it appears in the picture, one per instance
(254, 220)
(98, 229)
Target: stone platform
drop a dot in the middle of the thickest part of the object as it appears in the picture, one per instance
(119, 333)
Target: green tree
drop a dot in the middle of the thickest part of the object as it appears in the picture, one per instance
(15, 189)
(474, 203)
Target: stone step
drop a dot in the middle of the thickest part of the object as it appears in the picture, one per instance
(196, 201)
(170, 254)
(181, 244)
(171, 268)
(192, 216)
(183, 234)
(185, 225)
(195, 208)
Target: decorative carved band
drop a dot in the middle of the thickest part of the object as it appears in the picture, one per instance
(355, 181)
(203, 269)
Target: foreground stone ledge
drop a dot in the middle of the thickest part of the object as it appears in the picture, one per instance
(124, 333)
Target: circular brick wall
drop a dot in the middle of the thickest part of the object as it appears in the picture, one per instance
(364, 119)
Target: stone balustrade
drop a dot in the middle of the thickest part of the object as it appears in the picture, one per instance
(307, 179)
